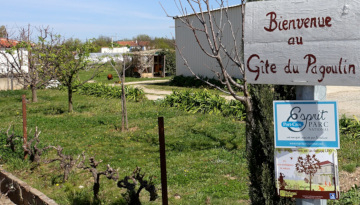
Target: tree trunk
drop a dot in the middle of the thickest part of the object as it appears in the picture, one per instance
(122, 108)
(134, 198)
(33, 93)
(96, 187)
(70, 93)
(123, 102)
(260, 147)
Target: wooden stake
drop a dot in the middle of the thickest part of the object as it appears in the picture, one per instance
(24, 123)
(163, 161)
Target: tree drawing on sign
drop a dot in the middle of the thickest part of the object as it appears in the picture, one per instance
(308, 165)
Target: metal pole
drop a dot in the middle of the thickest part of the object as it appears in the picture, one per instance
(24, 123)
(311, 93)
(163, 161)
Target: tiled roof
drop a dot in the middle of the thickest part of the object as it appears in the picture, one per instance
(325, 162)
(133, 43)
(7, 43)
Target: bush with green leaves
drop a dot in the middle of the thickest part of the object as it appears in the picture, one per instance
(105, 91)
(351, 197)
(204, 102)
(350, 126)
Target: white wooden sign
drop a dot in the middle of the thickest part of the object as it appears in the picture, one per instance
(309, 124)
(303, 42)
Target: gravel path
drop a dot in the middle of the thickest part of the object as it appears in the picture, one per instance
(348, 97)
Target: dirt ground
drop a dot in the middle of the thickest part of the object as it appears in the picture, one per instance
(348, 98)
(348, 180)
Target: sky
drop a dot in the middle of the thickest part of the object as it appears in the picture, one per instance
(86, 19)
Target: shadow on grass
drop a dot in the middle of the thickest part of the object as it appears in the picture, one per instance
(227, 144)
(213, 142)
(85, 197)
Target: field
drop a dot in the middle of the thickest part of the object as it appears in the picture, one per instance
(205, 153)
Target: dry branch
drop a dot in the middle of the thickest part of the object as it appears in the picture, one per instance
(110, 173)
(133, 194)
(66, 161)
(11, 138)
(33, 150)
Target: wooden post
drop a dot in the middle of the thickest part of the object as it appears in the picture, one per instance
(163, 161)
(24, 123)
(164, 69)
(311, 93)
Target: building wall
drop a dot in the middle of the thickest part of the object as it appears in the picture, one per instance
(199, 62)
(115, 50)
(5, 65)
(5, 84)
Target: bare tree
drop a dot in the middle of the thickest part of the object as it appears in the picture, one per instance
(120, 67)
(222, 41)
(32, 62)
(212, 29)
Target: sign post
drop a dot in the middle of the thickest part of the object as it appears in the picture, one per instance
(309, 44)
(309, 93)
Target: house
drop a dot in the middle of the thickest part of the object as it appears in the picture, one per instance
(115, 50)
(197, 60)
(324, 175)
(135, 45)
(7, 79)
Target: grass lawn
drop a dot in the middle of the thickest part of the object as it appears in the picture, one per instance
(205, 153)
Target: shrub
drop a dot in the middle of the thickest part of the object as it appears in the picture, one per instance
(105, 91)
(350, 126)
(204, 102)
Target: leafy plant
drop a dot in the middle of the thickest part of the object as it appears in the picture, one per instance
(351, 197)
(350, 126)
(204, 102)
(105, 91)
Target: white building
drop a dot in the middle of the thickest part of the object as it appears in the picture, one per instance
(7, 79)
(7, 59)
(115, 50)
(199, 62)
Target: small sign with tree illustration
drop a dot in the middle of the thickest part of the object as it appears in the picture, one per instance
(307, 173)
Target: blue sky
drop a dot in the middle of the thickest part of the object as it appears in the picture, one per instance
(85, 19)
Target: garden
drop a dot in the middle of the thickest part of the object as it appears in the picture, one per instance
(204, 134)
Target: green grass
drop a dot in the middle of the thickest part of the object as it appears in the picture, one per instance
(205, 153)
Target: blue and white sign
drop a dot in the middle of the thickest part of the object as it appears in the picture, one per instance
(306, 124)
